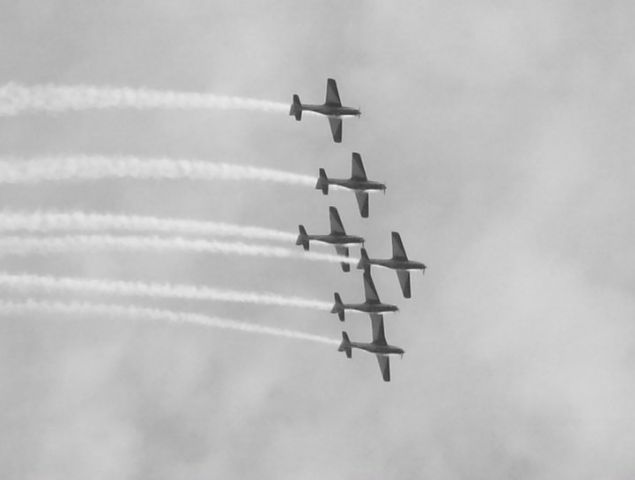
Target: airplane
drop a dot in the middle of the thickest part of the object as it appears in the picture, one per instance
(371, 305)
(398, 262)
(358, 182)
(337, 237)
(378, 346)
(332, 108)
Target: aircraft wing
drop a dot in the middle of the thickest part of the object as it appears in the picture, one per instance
(362, 201)
(357, 168)
(336, 223)
(404, 281)
(379, 335)
(341, 251)
(384, 366)
(336, 129)
(379, 338)
(398, 252)
(332, 95)
(370, 290)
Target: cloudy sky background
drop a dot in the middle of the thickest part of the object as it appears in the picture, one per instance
(504, 133)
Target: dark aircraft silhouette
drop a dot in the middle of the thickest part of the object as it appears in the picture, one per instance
(332, 108)
(378, 346)
(337, 237)
(358, 182)
(398, 262)
(371, 305)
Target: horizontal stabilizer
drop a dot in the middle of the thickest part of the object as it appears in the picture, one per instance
(345, 346)
(323, 182)
(303, 238)
(364, 261)
(338, 307)
(296, 108)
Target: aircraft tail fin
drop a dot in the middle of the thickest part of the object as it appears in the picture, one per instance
(338, 307)
(345, 346)
(364, 261)
(323, 182)
(296, 108)
(303, 238)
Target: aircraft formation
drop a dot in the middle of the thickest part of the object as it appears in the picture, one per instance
(399, 262)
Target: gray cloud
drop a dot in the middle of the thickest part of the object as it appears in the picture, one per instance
(503, 133)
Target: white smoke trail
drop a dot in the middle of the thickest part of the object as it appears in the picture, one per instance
(50, 284)
(16, 245)
(95, 167)
(47, 221)
(136, 313)
(16, 99)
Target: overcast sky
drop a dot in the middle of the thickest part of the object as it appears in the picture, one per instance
(504, 133)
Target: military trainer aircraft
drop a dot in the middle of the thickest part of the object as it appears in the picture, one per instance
(371, 305)
(337, 237)
(378, 346)
(358, 182)
(398, 262)
(332, 108)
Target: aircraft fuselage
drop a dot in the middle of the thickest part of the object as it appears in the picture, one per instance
(409, 265)
(332, 110)
(344, 240)
(358, 185)
(378, 349)
(371, 307)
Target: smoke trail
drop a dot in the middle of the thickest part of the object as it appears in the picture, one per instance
(94, 167)
(51, 284)
(16, 99)
(73, 243)
(43, 222)
(135, 313)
